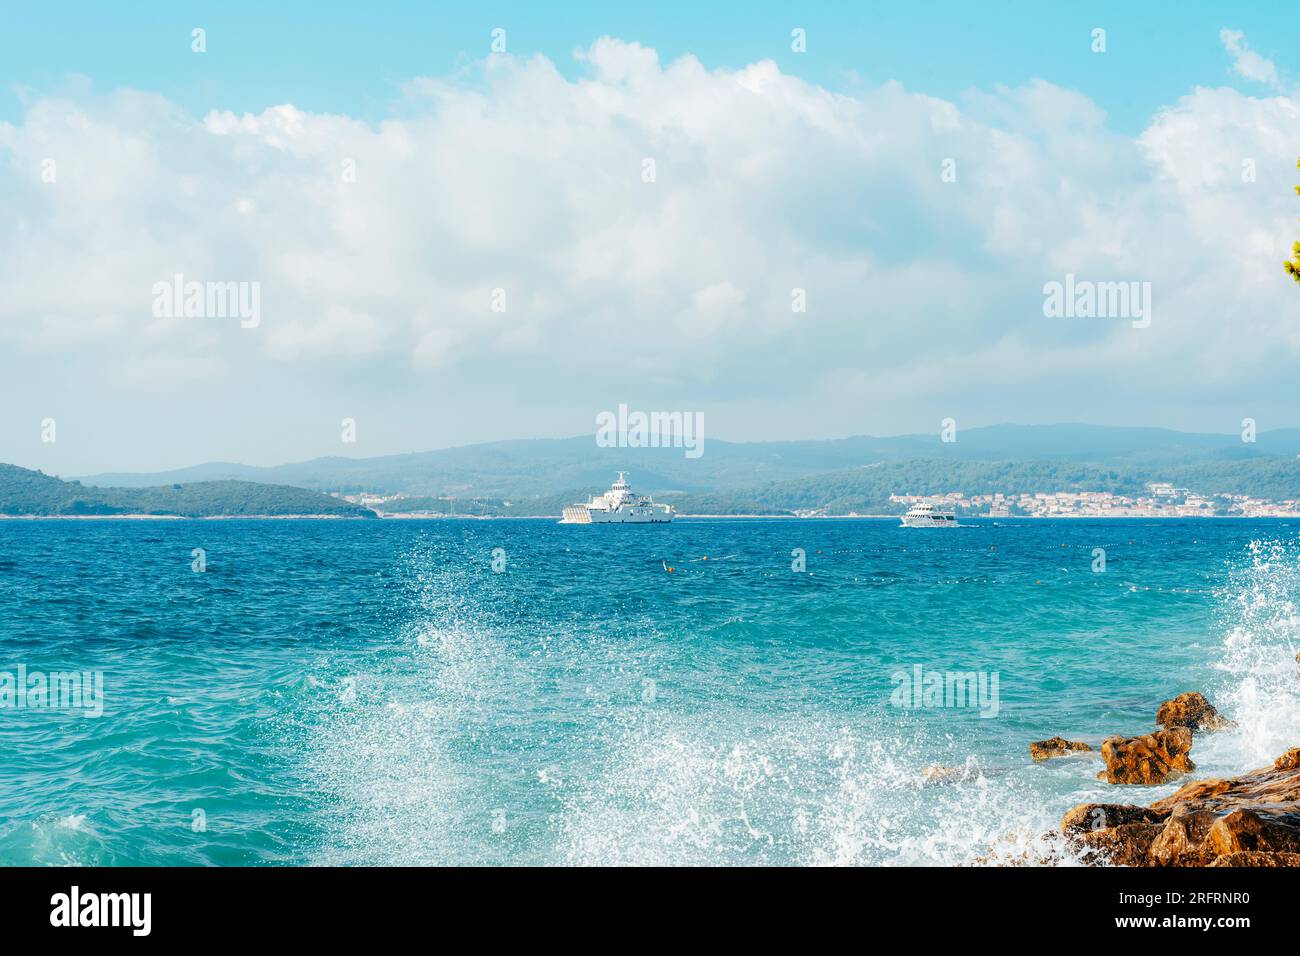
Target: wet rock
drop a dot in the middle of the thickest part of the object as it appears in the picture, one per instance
(1289, 760)
(1182, 840)
(1193, 711)
(1276, 787)
(938, 773)
(1102, 816)
(1247, 830)
(1149, 759)
(1015, 849)
(1197, 792)
(1257, 859)
(1055, 747)
(1128, 844)
(1250, 820)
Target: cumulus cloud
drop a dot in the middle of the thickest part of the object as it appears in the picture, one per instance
(385, 250)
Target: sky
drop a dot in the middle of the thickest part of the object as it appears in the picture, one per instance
(801, 221)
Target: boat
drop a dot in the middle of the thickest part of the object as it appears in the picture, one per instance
(619, 505)
(929, 516)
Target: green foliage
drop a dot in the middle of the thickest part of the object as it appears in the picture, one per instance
(1292, 265)
(24, 492)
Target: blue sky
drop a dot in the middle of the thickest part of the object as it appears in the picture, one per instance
(917, 179)
(352, 58)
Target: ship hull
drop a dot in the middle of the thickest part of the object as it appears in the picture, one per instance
(577, 514)
(914, 521)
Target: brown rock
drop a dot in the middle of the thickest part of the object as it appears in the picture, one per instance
(1125, 845)
(1258, 859)
(1182, 841)
(1289, 760)
(1250, 820)
(1101, 816)
(1054, 747)
(1150, 759)
(1246, 830)
(1195, 793)
(1193, 711)
(1277, 787)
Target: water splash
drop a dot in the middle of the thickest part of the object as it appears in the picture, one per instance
(680, 791)
(1260, 615)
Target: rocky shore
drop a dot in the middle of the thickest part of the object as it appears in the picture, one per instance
(1055, 747)
(1248, 820)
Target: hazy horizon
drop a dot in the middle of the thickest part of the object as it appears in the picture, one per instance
(936, 434)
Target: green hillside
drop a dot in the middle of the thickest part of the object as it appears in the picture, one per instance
(867, 490)
(24, 492)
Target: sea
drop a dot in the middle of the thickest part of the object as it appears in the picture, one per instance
(741, 692)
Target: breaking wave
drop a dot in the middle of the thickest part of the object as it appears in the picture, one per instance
(495, 731)
(1259, 615)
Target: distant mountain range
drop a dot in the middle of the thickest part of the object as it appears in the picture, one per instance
(24, 492)
(540, 476)
(545, 466)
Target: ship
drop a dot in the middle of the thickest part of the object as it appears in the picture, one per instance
(619, 506)
(929, 516)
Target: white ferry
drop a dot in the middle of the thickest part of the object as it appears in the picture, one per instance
(929, 516)
(618, 506)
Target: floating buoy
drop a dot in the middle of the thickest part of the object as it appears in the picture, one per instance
(705, 558)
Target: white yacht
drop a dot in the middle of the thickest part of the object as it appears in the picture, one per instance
(618, 506)
(929, 516)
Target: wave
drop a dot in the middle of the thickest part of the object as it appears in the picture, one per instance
(809, 793)
(1259, 614)
(381, 750)
(55, 840)
(496, 730)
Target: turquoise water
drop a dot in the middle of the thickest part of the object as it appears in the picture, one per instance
(333, 692)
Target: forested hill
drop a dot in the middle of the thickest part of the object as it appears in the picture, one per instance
(25, 492)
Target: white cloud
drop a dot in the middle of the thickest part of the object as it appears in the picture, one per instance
(514, 177)
(1246, 62)
(340, 331)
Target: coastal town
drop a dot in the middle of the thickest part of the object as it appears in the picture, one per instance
(1162, 500)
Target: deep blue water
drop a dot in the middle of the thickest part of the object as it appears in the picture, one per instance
(374, 692)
